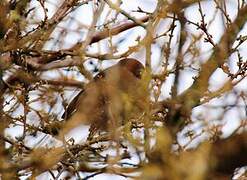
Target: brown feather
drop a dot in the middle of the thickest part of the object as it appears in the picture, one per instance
(102, 100)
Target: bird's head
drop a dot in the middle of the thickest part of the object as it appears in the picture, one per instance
(132, 65)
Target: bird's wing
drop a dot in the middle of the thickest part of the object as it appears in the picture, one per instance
(71, 108)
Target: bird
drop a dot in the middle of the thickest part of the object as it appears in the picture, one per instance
(111, 98)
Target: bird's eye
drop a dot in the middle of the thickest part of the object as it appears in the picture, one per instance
(138, 73)
(99, 76)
